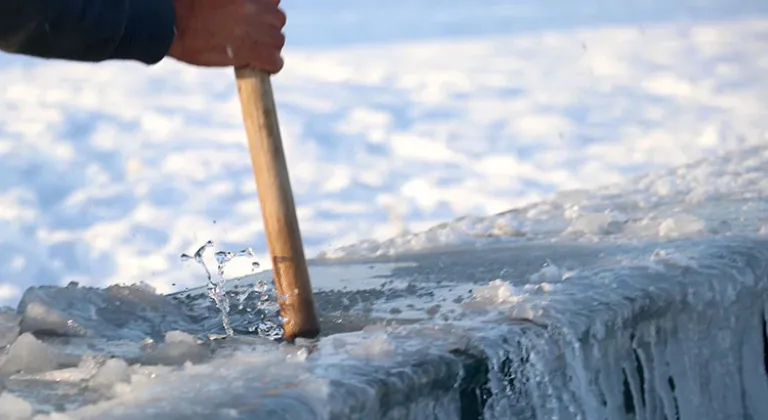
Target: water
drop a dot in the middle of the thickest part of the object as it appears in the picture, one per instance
(216, 287)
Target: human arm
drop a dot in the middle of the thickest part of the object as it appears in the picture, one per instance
(240, 33)
(88, 30)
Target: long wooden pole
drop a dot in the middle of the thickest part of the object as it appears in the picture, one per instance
(289, 265)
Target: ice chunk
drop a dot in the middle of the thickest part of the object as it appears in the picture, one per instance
(595, 224)
(29, 355)
(180, 337)
(113, 371)
(681, 225)
(550, 273)
(14, 408)
(378, 345)
(497, 291)
(37, 317)
(118, 312)
(177, 353)
(9, 326)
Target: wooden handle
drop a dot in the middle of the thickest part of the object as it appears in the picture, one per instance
(278, 209)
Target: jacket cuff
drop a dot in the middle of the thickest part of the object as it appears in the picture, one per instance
(149, 31)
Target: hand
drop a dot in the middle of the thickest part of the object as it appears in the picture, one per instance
(239, 33)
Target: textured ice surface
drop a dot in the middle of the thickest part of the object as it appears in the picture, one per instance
(715, 196)
(623, 330)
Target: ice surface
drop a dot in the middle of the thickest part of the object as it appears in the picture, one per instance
(621, 330)
(132, 312)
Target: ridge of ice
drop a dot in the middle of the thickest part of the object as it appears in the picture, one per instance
(686, 201)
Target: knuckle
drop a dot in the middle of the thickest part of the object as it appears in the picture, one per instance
(281, 17)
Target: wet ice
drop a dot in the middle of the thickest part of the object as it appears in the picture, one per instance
(27, 355)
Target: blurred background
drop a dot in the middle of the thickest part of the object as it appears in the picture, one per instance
(395, 115)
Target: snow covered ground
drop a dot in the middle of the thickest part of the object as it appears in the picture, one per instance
(394, 117)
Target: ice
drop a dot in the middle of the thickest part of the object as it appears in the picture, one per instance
(378, 345)
(132, 312)
(680, 225)
(497, 291)
(14, 408)
(595, 224)
(180, 337)
(29, 355)
(550, 273)
(176, 353)
(646, 329)
(113, 371)
(9, 326)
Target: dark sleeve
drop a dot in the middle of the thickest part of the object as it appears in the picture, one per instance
(88, 30)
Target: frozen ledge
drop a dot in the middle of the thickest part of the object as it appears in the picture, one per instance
(645, 331)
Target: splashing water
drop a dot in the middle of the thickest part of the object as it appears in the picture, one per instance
(216, 284)
(267, 328)
(223, 257)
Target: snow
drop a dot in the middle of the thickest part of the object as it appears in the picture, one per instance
(681, 202)
(14, 408)
(394, 120)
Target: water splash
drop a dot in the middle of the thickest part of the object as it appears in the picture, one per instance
(268, 303)
(216, 283)
(223, 257)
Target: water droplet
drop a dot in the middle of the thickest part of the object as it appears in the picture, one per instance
(224, 256)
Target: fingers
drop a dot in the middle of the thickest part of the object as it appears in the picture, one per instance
(262, 58)
(269, 39)
(262, 39)
(278, 18)
(265, 11)
(272, 16)
(257, 55)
